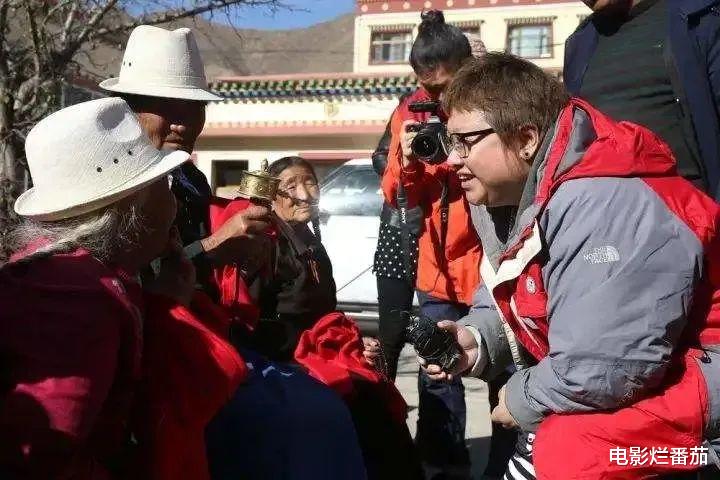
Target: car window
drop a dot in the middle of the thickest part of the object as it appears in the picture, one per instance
(354, 191)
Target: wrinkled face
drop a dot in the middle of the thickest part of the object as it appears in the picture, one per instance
(492, 174)
(298, 195)
(171, 123)
(436, 81)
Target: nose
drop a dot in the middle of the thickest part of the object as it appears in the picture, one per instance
(178, 128)
(302, 193)
(455, 161)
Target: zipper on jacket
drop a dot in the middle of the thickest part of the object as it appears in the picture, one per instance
(686, 121)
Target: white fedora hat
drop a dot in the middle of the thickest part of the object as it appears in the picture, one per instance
(161, 63)
(88, 156)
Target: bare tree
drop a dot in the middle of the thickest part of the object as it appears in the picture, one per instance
(40, 44)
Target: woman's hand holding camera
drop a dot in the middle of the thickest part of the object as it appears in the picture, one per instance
(469, 353)
(406, 139)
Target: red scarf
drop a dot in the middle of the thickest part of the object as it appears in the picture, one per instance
(190, 372)
(332, 351)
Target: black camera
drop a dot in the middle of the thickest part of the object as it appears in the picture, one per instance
(430, 143)
(436, 346)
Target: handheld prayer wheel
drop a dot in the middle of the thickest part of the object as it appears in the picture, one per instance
(258, 185)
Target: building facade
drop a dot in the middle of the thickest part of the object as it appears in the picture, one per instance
(329, 118)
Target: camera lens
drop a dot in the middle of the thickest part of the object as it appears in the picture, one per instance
(424, 145)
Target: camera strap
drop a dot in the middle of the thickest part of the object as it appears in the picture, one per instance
(405, 234)
(444, 214)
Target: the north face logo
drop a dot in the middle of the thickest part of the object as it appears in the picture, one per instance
(606, 254)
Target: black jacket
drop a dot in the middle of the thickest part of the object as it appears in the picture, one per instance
(694, 38)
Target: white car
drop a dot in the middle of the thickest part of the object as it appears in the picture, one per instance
(350, 205)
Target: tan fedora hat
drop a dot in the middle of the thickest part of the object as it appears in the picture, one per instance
(88, 156)
(162, 63)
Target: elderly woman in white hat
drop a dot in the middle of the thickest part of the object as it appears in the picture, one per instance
(71, 332)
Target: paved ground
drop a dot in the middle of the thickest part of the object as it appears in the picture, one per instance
(477, 431)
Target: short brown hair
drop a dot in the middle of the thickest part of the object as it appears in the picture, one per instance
(511, 93)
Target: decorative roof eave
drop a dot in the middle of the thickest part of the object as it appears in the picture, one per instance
(393, 28)
(278, 87)
(398, 6)
(530, 21)
(291, 129)
(466, 24)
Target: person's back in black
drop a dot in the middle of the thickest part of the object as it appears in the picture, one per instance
(632, 76)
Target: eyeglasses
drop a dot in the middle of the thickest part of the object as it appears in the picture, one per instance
(459, 142)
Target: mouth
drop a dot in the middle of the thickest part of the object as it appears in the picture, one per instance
(306, 208)
(174, 141)
(465, 179)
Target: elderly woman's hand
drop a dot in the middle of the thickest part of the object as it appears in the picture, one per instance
(230, 242)
(371, 350)
(406, 138)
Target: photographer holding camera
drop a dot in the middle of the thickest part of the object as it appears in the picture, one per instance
(449, 252)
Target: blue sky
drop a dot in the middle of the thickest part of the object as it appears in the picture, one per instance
(316, 11)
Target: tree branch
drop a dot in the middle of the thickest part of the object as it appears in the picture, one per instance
(49, 12)
(69, 50)
(34, 36)
(173, 15)
(69, 21)
(4, 6)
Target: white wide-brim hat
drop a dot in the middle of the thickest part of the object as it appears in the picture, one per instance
(88, 156)
(162, 63)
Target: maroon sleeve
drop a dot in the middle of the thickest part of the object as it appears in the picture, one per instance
(63, 355)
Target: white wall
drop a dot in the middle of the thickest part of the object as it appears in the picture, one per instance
(301, 110)
(493, 29)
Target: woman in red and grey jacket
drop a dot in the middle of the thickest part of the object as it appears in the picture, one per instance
(601, 280)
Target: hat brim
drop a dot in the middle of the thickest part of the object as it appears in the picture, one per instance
(183, 93)
(48, 205)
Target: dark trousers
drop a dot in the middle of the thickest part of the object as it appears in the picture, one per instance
(442, 412)
(503, 440)
(394, 296)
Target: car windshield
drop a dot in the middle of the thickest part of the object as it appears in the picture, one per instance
(352, 190)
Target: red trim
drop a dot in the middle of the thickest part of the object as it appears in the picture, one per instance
(396, 6)
(292, 130)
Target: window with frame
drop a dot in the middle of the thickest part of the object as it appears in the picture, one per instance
(390, 47)
(352, 190)
(530, 41)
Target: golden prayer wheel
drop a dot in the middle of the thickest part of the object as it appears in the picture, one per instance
(258, 185)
